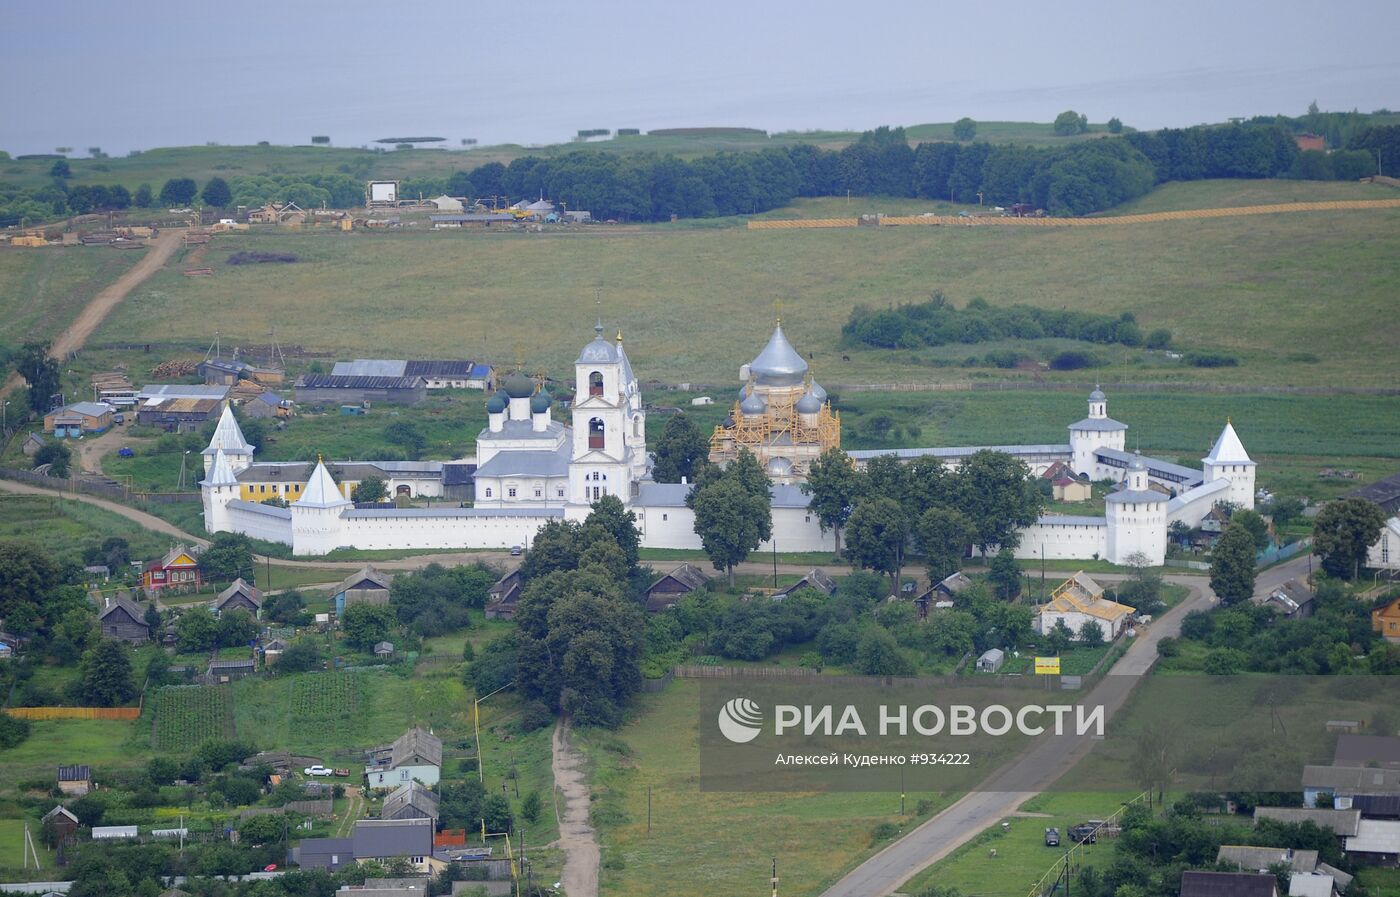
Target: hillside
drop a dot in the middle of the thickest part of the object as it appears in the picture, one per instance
(695, 303)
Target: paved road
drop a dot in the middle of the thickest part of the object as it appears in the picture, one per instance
(1033, 771)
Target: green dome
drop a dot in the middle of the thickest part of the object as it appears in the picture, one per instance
(519, 386)
(496, 404)
(540, 402)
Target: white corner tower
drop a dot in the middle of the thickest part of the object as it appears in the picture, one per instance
(1137, 518)
(217, 489)
(1229, 461)
(317, 526)
(609, 425)
(228, 438)
(1097, 431)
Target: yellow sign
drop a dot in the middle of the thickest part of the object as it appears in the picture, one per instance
(1047, 666)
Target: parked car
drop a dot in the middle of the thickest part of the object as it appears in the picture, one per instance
(516, 551)
(1052, 837)
(1084, 833)
(318, 771)
(126, 452)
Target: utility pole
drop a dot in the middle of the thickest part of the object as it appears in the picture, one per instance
(775, 877)
(648, 809)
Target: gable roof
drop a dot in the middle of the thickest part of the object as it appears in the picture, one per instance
(237, 587)
(1359, 750)
(1384, 492)
(364, 578)
(174, 555)
(77, 773)
(416, 747)
(1228, 449)
(1340, 822)
(688, 575)
(393, 838)
(1375, 836)
(1292, 595)
(815, 578)
(60, 810)
(124, 604)
(1259, 859)
(1195, 883)
(410, 794)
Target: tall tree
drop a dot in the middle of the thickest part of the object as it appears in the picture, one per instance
(1343, 532)
(1232, 565)
(942, 534)
(999, 497)
(216, 193)
(144, 197)
(229, 556)
(370, 489)
(964, 129)
(877, 536)
(178, 192)
(833, 484)
(106, 675)
(731, 522)
(40, 370)
(610, 514)
(680, 452)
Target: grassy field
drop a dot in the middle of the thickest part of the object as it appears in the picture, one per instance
(1222, 194)
(42, 290)
(1265, 289)
(1021, 855)
(99, 743)
(714, 843)
(154, 166)
(65, 528)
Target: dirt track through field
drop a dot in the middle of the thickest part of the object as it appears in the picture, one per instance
(1145, 218)
(577, 838)
(95, 312)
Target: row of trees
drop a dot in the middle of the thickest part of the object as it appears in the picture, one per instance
(938, 322)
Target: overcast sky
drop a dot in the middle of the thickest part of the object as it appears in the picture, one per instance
(162, 73)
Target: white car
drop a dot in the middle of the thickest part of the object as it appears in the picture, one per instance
(319, 771)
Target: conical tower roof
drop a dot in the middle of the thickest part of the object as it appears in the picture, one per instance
(221, 474)
(778, 364)
(321, 490)
(1228, 449)
(228, 436)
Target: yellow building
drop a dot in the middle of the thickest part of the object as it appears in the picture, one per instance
(781, 415)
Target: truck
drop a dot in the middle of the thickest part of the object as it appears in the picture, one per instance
(1084, 833)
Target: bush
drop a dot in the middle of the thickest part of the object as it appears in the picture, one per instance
(1168, 647)
(1211, 360)
(883, 832)
(535, 715)
(1003, 358)
(13, 731)
(1074, 360)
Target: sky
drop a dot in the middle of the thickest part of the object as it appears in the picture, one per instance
(162, 73)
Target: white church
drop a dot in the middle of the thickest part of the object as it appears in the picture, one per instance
(532, 469)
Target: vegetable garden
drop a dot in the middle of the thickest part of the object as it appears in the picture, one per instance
(184, 717)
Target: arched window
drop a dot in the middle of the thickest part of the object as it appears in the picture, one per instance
(595, 433)
(595, 383)
(636, 426)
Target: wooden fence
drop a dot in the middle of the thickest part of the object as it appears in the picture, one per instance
(112, 713)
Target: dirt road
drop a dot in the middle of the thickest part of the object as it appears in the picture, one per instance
(577, 838)
(96, 311)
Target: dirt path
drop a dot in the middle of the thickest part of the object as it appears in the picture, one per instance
(577, 838)
(92, 448)
(96, 311)
(354, 806)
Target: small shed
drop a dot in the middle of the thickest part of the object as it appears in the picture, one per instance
(502, 597)
(61, 823)
(114, 833)
(268, 404)
(1292, 599)
(1071, 489)
(384, 649)
(222, 671)
(991, 661)
(32, 443)
(815, 579)
(76, 780)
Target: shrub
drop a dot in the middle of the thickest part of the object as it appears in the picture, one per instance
(1074, 360)
(1211, 360)
(1003, 358)
(13, 730)
(883, 832)
(1168, 647)
(535, 715)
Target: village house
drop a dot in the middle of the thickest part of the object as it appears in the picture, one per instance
(179, 415)
(1261, 859)
(940, 595)
(1385, 619)
(815, 579)
(365, 586)
(410, 801)
(178, 569)
(333, 389)
(414, 756)
(1292, 599)
(1342, 823)
(121, 619)
(75, 781)
(502, 597)
(78, 419)
(1195, 883)
(669, 589)
(387, 840)
(331, 854)
(1079, 600)
(238, 596)
(272, 650)
(268, 404)
(32, 443)
(61, 824)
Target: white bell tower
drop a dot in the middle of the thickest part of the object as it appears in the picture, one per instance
(609, 425)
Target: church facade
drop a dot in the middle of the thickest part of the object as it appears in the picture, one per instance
(532, 469)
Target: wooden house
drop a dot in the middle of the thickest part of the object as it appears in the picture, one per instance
(177, 569)
(669, 589)
(815, 579)
(60, 825)
(238, 596)
(1292, 599)
(1385, 619)
(365, 586)
(32, 443)
(502, 597)
(75, 781)
(268, 404)
(122, 619)
(410, 801)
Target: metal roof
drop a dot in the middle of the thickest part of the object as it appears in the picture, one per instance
(331, 381)
(182, 391)
(370, 367)
(778, 364)
(527, 464)
(1385, 493)
(1357, 750)
(439, 368)
(1340, 822)
(258, 507)
(522, 429)
(1070, 520)
(376, 838)
(382, 513)
(470, 217)
(599, 350)
(1163, 470)
(1196, 492)
(87, 409)
(961, 451)
(1098, 425)
(1196, 883)
(662, 495)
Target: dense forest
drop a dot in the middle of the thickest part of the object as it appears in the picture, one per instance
(1073, 179)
